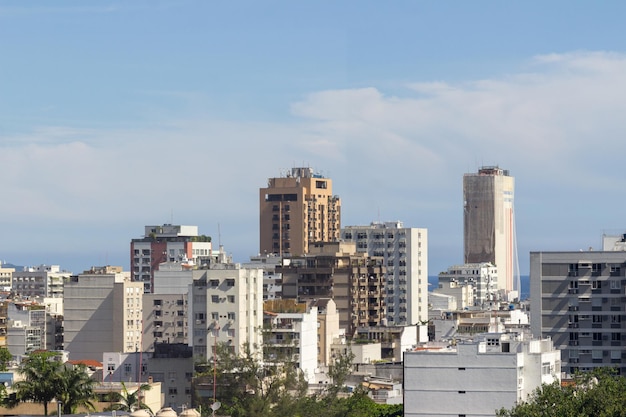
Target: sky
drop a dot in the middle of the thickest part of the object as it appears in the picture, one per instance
(119, 114)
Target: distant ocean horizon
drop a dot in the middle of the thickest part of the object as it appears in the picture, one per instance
(433, 282)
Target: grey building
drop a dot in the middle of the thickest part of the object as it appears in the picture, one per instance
(578, 300)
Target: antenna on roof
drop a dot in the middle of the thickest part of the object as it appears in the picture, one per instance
(219, 236)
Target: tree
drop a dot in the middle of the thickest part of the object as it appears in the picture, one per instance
(130, 401)
(599, 393)
(5, 358)
(41, 380)
(76, 389)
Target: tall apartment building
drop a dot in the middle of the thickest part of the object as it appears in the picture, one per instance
(478, 378)
(296, 210)
(481, 277)
(226, 305)
(354, 281)
(102, 313)
(489, 223)
(40, 281)
(404, 252)
(166, 243)
(578, 299)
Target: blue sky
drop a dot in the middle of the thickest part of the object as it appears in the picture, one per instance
(114, 115)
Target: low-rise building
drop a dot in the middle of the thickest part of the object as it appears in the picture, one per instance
(477, 378)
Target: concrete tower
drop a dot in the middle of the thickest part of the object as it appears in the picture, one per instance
(489, 223)
(296, 210)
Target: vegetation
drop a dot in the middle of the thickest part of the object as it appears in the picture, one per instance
(45, 379)
(246, 387)
(130, 401)
(75, 389)
(599, 393)
(5, 358)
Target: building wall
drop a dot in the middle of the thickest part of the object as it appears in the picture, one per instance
(227, 306)
(488, 221)
(404, 252)
(474, 379)
(579, 301)
(165, 319)
(102, 314)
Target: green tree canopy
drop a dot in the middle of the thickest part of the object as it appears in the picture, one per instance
(41, 372)
(601, 393)
(75, 389)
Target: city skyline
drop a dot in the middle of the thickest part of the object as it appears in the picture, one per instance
(115, 116)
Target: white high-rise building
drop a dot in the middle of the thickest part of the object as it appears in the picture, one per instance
(478, 378)
(489, 223)
(227, 306)
(482, 277)
(103, 313)
(404, 251)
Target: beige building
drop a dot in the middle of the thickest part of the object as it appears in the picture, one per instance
(354, 281)
(164, 319)
(327, 328)
(103, 312)
(489, 223)
(226, 306)
(296, 210)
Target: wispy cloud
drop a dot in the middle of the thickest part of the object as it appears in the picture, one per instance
(557, 125)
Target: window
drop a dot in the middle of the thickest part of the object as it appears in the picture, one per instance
(230, 282)
(615, 284)
(596, 285)
(616, 336)
(128, 368)
(214, 283)
(158, 302)
(173, 391)
(597, 336)
(231, 316)
(231, 298)
(215, 315)
(215, 299)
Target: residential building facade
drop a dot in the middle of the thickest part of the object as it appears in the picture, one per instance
(226, 305)
(40, 281)
(477, 378)
(290, 335)
(489, 223)
(354, 281)
(167, 243)
(482, 277)
(102, 313)
(579, 300)
(404, 252)
(295, 210)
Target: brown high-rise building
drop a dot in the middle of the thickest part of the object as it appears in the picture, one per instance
(297, 210)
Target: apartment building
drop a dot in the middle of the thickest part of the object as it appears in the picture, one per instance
(404, 253)
(297, 209)
(354, 281)
(579, 300)
(26, 328)
(167, 243)
(481, 277)
(6, 275)
(226, 305)
(477, 378)
(40, 281)
(102, 313)
(165, 320)
(290, 335)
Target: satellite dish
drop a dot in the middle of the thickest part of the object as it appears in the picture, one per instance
(216, 405)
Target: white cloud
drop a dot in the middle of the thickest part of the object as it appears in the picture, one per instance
(558, 127)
